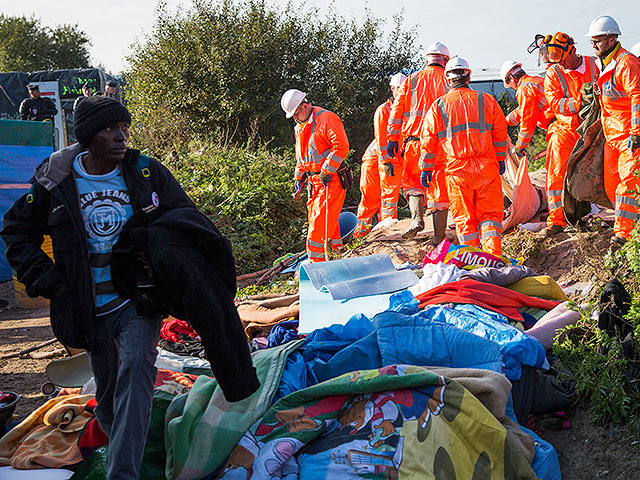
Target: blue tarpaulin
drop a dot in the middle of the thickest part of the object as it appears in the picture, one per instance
(23, 146)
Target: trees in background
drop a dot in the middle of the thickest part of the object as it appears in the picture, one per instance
(218, 70)
(29, 46)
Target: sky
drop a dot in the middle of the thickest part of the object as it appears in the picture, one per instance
(485, 33)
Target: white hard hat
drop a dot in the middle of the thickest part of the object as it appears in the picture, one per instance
(290, 101)
(603, 25)
(507, 66)
(438, 48)
(397, 80)
(456, 63)
(636, 50)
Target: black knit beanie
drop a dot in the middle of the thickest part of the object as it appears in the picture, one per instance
(96, 113)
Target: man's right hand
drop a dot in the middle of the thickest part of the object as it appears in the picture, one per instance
(586, 94)
(425, 178)
(392, 149)
(299, 185)
(388, 168)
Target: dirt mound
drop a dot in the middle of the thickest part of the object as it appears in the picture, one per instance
(570, 259)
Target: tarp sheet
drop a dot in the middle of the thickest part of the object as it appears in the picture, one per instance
(318, 309)
(359, 276)
(23, 146)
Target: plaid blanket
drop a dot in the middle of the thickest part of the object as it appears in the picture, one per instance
(202, 427)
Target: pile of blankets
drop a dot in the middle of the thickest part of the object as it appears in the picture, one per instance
(424, 389)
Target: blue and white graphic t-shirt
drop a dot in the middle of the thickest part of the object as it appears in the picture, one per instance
(105, 207)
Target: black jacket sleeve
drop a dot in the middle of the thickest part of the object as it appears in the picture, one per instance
(170, 193)
(24, 112)
(51, 107)
(23, 228)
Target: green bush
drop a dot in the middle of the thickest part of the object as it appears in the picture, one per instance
(599, 367)
(217, 71)
(596, 359)
(247, 193)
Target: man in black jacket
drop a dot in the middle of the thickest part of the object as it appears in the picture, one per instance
(82, 196)
(36, 107)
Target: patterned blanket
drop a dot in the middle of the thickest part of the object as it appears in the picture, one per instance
(48, 437)
(394, 422)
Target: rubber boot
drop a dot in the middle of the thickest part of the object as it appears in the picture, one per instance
(416, 206)
(439, 226)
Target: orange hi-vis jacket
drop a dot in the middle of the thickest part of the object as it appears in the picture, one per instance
(532, 111)
(619, 85)
(321, 144)
(472, 129)
(416, 95)
(562, 89)
(380, 123)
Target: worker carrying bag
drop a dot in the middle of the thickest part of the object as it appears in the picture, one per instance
(345, 174)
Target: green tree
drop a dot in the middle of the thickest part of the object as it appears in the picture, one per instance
(29, 46)
(218, 70)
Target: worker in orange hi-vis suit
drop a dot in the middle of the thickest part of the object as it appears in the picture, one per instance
(369, 190)
(416, 95)
(619, 87)
(567, 76)
(472, 130)
(380, 176)
(321, 147)
(533, 110)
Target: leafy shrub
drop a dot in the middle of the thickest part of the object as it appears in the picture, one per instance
(247, 193)
(596, 359)
(597, 362)
(220, 68)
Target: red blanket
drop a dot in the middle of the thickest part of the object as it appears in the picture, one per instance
(486, 295)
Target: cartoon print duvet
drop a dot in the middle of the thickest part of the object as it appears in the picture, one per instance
(392, 423)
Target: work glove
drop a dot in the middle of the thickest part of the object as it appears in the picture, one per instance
(502, 166)
(388, 168)
(519, 152)
(586, 92)
(325, 178)
(392, 149)
(634, 143)
(299, 185)
(586, 97)
(425, 178)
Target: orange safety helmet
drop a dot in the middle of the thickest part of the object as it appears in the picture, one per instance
(555, 48)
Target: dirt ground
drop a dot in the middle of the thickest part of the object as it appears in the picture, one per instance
(21, 329)
(586, 451)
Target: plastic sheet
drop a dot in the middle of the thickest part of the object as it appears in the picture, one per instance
(359, 276)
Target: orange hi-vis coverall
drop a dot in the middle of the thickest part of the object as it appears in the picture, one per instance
(472, 130)
(619, 85)
(532, 111)
(562, 89)
(379, 191)
(321, 146)
(369, 189)
(389, 186)
(417, 94)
